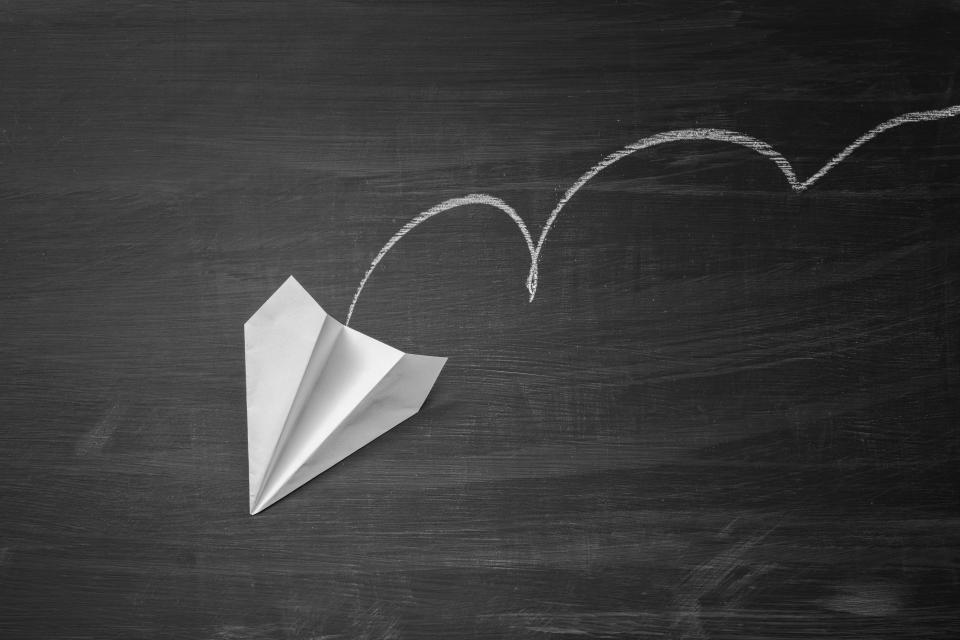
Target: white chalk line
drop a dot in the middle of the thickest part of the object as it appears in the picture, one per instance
(715, 135)
(446, 205)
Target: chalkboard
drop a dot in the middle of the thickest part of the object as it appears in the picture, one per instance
(730, 411)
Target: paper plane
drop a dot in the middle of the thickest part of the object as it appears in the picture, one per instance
(317, 391)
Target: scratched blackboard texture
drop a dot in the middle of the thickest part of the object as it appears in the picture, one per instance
(731, 412)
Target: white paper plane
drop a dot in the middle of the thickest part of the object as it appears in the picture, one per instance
(317, 391)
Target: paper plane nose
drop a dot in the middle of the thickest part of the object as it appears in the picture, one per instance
(317, 391)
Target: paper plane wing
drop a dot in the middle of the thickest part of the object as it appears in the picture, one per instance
(317, 391)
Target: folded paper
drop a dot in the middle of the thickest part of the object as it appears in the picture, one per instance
(318, 390)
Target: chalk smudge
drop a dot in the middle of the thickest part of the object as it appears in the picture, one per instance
(97, 438)
(729, 571)
(869, 599)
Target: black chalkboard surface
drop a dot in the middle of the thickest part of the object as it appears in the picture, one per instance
(731, 411)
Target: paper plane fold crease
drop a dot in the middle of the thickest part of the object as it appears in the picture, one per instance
(317, 391)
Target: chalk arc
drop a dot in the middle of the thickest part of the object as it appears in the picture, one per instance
(446, 205)
(678, 135)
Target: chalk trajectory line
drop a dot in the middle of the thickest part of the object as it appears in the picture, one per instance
(677, 135)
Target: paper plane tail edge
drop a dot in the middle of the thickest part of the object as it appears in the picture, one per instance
(435, 364)
(430, 368)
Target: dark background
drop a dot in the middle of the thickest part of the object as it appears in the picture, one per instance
(731, 412)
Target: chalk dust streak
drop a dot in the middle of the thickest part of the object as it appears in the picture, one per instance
(715, 135)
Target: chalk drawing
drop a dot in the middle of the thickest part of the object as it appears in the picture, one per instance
(714, 135)
(474, 198)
